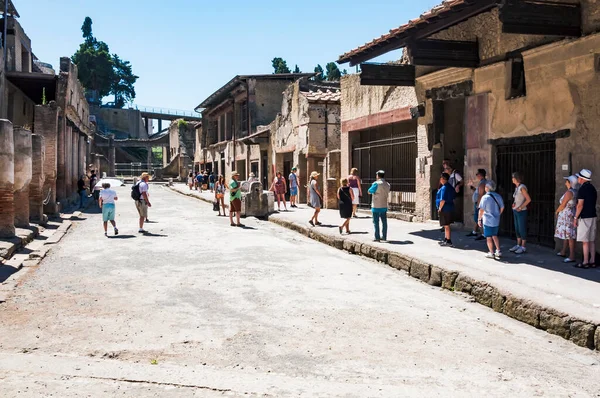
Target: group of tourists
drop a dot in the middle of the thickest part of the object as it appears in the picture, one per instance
(576, 213)
(201, 181)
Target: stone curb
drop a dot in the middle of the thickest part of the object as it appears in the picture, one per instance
(582, 333)
(191, 195)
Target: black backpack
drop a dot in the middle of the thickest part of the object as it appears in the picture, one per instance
(135, 192)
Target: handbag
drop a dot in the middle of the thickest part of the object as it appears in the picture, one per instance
(215, 206)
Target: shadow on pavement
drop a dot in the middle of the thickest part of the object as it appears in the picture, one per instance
(155, 235)
(5, 272)
(400, 242)
(150, 222)
(122, 236)
(359, 233)
(537, 256)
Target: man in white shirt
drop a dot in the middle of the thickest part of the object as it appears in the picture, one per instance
(143, 204)
(106, 201)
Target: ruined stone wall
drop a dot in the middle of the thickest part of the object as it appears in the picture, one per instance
(124, 121)
(23, 172)
(324, 128)
(7, 179)
(36, 187)
(19, 106)
(265, 102)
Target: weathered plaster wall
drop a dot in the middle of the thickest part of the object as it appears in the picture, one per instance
(7, 179)
(266, 101)
(19, 106)
(125, 121)
(359, 101)
(23, 171)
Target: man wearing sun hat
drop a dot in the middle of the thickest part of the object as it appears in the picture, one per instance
(586, 218)
(143, 203)
(235, 199)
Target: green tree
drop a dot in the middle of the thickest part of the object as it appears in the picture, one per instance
(280, 66)
(333, 72)
(297, 70)
(320, 73)
(100, 72)
(123, 81)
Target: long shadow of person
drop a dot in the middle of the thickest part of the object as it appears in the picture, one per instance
(122, 236)
(154, 235)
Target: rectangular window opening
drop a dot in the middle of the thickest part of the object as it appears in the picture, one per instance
(516, 78)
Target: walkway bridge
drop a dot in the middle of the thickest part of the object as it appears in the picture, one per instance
(158, 113)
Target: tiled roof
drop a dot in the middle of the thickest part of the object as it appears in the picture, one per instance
(445, 7)
(323, 96)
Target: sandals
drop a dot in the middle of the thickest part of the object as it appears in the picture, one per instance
(583, 266)
(340, 228)
(568, 260)
(559, 254)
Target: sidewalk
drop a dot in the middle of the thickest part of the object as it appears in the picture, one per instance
(536, 287)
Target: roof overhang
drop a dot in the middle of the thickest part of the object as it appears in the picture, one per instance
(12, 11)
(449, 13)
(260, 137)
(221, 94)
(36, 86)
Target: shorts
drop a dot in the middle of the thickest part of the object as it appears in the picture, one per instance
(445, 218)
(488, 232)
(235, 206)
(108, 212)
(356, 200)
(142, 208)
(212, 186)
(294, 191)
(586, 229)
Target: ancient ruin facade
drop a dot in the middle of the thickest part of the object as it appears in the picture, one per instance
(306, 135)
(519, 96)
(231, 119)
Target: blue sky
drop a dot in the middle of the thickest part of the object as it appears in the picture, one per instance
(183, 50)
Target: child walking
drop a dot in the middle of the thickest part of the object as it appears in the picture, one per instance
(107, 204)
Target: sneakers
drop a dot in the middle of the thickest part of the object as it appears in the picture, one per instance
(514, 248)
(116, 231)
(446, 243)
(106, 234)
(490, 255)
(311, 223)
(141, 231)
(471, 234)
(498, 254)
(521, 250)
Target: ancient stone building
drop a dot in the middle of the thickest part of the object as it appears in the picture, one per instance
(511, 88)
(306, 135)
(231, 137)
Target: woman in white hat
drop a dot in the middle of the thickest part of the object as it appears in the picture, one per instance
(315, 198)
(565, 213)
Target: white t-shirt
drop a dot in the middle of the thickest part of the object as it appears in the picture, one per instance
(108, 196)
(143, 188)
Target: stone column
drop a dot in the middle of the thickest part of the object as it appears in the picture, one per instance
(76, 170)
(82, 155)
(23, 168)
(68, 161)
(36, 188)
(7, 179)
(46, 125)
(111, 156)
(61, 167)
(149, 159)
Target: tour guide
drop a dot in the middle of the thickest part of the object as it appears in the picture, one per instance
(235, 199)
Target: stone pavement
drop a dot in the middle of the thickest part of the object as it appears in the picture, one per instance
(536, 287)
(205, 196)
(198, 308)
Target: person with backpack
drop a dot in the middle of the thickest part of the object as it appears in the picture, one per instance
(139, 193)
(491, 207)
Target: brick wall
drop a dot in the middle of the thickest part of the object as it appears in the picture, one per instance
(36, 187)
(7, 179)
(23, 165)
(46, 125)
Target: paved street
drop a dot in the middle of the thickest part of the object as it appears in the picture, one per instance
(198, 308)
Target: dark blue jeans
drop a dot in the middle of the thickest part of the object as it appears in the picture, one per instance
(383, 217)
(520, 218)
(82, 196)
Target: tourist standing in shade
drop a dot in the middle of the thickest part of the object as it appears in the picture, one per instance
(380, 191)
(293, 180)
(81, 191)
(445, 204)
(315, 198)
(279, 188)
(521, 200)
(107, 204)
(345, 196)
(235, 199)
(491, 207)
(565, 217)
(478, 192)
(586, 218)
(356, 186)
(220, 188)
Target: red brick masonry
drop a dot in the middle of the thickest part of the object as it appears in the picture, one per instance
(377, 119)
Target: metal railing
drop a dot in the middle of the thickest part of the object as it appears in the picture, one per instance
(166, 111)
(133, 169)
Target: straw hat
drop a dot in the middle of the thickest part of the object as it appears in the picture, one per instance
(235, 173)
(585, 174)
(144, 175)
(314, 174)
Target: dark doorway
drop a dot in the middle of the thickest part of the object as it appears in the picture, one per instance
(264, 177)
(391, 148)
(222, 168)
(287, 169)
(454, 145)
(537, 162)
